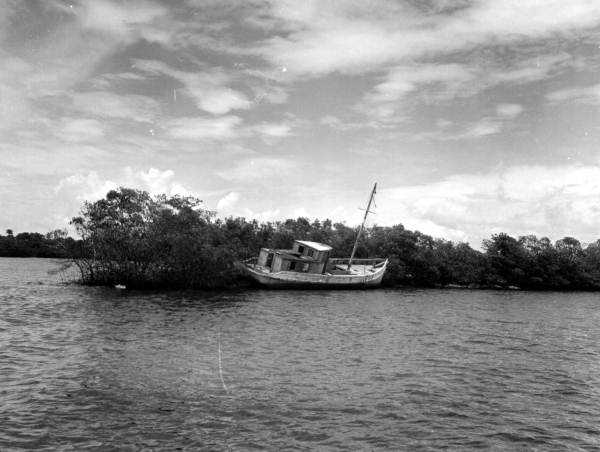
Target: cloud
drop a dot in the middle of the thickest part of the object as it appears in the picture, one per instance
(340, 125)
(228, 201)
(225, 128)
(105, 81)
(255, 169)
(299, 212)
(317, 38)
(90, 90)
(69, 193)
(6, 9)
(79, 130)
(519, 200)
(531, 69)
(272, 129)
(333, 122)
(323, 46)
(587, 94)
(37, 68)
(482, 128)
(85, 187)
(404, 79)
(262, 216)
(208, 87)
(509, 110)
(92, 186)
(155, 181)
(426, 83)
(383, 101)
(107, 104)
(270, 94)
(201, 128)
(124, 20)
(14, 103)
(221, 101)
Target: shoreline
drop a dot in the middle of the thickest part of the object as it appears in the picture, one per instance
(243, 284)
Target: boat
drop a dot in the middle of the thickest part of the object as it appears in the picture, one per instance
(308, 265)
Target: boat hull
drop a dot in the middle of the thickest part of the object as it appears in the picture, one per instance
(297, 280)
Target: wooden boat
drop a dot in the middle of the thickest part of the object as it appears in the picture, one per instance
(307, 265)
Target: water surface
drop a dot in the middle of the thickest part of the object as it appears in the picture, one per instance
(90, 368)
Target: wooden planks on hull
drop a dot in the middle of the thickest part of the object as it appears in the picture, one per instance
(287, 279)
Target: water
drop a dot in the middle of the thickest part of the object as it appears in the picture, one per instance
(89, 368)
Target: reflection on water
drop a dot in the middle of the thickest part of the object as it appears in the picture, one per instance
(93, 368)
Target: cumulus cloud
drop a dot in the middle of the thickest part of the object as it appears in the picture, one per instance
(519, 200)
(228, 201)
(85, 187)
(262, 215)
(155, 181)
(70, 192)
(92, 186)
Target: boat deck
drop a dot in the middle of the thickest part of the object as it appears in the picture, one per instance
(356, 269)
(360, 276)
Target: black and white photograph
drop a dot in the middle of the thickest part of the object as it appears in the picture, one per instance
(237, 225)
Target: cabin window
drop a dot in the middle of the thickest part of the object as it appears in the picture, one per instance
(269, 260)
(301, 249)
(311, 253)
(293, 265)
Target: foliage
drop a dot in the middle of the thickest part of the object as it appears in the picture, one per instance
(33, 244)
(132, 238)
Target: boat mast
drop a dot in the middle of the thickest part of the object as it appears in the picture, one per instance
(362, 226)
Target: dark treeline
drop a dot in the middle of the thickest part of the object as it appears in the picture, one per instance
(33, 244)
(141, 241)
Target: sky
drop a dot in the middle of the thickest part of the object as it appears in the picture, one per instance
(474, 116)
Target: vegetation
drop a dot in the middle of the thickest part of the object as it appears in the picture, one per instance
(141, 241)
(32, 244)
(134, 239)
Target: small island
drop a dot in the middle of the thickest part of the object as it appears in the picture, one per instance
(139, 241)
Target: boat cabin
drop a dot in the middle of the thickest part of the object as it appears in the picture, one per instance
(305, 257)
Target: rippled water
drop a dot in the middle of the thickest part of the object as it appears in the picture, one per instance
(386, 369)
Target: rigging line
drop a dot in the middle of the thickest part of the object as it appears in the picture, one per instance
(362, 226)
(220, 364)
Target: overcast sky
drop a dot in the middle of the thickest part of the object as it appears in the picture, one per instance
(475, 116)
